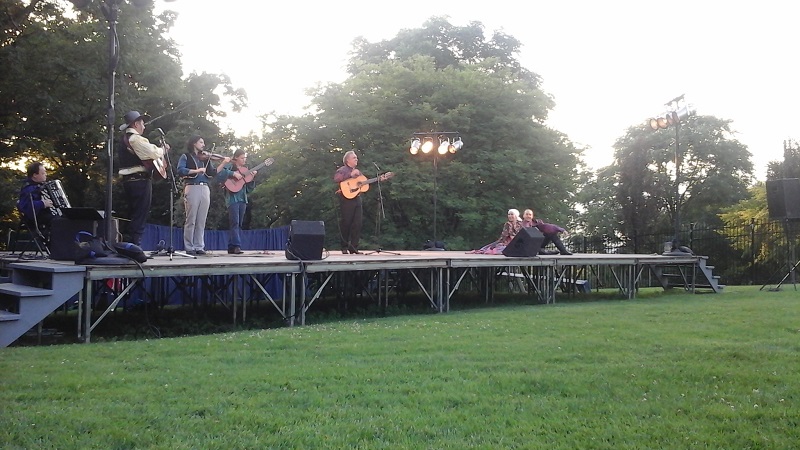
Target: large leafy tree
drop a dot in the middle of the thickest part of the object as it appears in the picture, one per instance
(54, 93)
(715, 172)
(437, 78)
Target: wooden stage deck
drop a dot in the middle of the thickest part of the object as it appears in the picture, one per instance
(438, 274)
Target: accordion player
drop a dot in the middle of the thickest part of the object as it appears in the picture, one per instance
(41, 200)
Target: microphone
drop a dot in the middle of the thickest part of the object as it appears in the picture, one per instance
(160, 131)
(376, 166)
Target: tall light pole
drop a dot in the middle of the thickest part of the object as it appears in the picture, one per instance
(676, 111)
(439, 143)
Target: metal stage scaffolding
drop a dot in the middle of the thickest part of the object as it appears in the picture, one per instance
(294, 286)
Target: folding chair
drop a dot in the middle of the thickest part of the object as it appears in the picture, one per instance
(35, 236)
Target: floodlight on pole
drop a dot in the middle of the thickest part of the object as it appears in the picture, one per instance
(449, 142)
(676, 112)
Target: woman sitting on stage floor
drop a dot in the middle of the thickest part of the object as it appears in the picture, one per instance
(510, 229)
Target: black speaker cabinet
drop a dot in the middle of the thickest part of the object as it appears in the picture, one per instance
(525, 244)
(306, 239)
(783, 198)
(62, 236)
(63, 233)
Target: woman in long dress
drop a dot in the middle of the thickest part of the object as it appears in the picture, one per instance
(510, 229)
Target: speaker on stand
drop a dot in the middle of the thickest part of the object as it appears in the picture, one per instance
(783, 203)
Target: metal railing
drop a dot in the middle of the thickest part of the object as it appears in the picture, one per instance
(757, 253)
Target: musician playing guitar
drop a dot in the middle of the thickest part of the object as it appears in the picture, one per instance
(238, 182)
(136, 161)
(352, 183)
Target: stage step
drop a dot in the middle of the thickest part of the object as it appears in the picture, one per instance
(6, 316)
(23, 291)
(35, 291)
(686, 275)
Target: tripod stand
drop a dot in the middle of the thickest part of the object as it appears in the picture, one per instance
(173, 190)
(381, 214)
(790, 235)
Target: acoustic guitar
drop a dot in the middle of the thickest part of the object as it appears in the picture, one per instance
(234, 185)
(158, 166)
(351, 187)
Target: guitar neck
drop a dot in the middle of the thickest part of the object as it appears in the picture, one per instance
(370, 181)
(383, 177)
(263, 164)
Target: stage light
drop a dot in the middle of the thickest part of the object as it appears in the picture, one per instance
(415, 145)
(681, 113)
(427, 146)
(456, 146)
(444, 146)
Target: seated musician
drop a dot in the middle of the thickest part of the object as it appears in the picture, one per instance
(35, 208)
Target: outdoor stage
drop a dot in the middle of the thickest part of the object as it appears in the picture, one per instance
(293, 286)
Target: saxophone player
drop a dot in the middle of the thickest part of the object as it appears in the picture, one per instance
(35, 208)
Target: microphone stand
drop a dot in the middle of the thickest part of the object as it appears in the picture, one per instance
(380, 214)
(173, 190)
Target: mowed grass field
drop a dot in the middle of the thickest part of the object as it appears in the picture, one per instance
(659, 372)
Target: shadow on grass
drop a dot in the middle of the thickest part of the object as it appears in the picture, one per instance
(151, 321)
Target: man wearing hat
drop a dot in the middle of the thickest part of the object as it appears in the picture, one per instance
(137, 178)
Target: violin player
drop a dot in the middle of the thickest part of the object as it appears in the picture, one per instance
(196, 170)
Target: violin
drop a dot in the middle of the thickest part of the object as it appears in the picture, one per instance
(205, 156)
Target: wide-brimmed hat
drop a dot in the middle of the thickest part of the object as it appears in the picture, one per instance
(133, 116)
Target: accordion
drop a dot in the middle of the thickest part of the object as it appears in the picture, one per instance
(54, 191)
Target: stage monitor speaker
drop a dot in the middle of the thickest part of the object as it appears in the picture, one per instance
(783, 198)
(525, 244)
(63, 231)
(306, 240)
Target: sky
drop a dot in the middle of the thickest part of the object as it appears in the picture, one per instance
(608, 65)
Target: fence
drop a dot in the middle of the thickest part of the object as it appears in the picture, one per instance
(760, 252)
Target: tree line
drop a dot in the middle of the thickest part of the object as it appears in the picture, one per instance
(439, 77)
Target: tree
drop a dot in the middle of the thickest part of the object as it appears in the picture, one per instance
(54, 93)
(438, 78)
(715, 173)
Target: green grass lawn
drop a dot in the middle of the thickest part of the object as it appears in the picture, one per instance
(666, 371)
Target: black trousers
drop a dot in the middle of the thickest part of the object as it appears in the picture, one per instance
(350, 222)
(140, 198)
(555, 239)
